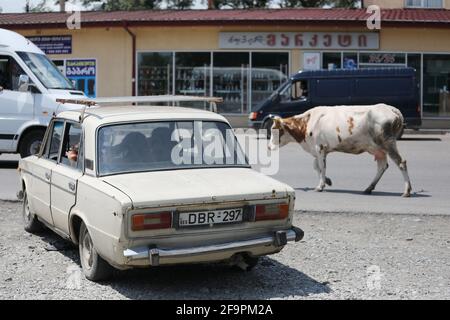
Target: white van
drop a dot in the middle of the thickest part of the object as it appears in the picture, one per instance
(29, 86)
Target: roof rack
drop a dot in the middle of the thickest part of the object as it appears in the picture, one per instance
(175, 100)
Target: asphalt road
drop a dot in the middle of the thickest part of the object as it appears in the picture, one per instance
(428, 159)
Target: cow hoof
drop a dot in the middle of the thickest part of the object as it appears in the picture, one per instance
(319, 189)
(329, 182)
(368, 191)
(406, 195)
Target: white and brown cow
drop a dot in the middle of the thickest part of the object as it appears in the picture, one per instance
(349, 129)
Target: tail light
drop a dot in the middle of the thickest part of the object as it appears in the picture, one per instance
(271, 212)
(253, 116)
(151, 221)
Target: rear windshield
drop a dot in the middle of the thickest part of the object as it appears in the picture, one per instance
(155, 146)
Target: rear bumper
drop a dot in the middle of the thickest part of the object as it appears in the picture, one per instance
(264, 245)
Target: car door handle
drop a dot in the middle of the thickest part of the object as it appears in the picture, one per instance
(72, 186)
(48, 176)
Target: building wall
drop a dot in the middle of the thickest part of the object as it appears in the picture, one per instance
(112, 49)
(395, 4)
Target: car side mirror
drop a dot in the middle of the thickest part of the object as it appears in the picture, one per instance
(24, 82)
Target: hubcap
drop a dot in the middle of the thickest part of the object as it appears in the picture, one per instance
(86, 251)
(34, 147)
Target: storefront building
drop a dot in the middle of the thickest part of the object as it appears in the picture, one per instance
(244, 55)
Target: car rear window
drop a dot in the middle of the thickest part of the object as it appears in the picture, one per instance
(153, 146)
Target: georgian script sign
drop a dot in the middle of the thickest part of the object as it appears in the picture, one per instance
(299, 40)
(53, 44)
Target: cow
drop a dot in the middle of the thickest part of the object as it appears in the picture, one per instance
(349, 129)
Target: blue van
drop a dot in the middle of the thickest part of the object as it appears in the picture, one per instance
(307, 89)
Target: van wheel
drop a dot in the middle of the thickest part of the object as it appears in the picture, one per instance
(94, 267)
(30, 221)
(267, 125)
(31, 143)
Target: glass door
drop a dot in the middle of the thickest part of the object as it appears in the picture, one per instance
(269, 72)
(192, 76)
(155, 73)
(231, 81)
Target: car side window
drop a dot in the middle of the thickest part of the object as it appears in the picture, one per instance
(298, 90)
(10, 72)
(54, 141)
(70, 151)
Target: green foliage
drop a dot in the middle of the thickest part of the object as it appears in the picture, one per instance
(126, 5)
(319, 3)
(241, 4)
(179, 4)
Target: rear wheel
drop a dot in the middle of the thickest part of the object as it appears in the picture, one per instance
(30, 221)
(31, 142)
(94, 267)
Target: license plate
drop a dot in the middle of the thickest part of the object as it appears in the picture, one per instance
(188, 219)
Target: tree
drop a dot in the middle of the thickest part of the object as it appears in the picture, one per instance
(126, 5)
(179, 4)
(319, 3)
(241, 4)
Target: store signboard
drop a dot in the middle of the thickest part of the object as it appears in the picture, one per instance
(300, 40)
(83, 73)
(311, 61)
(53, 44)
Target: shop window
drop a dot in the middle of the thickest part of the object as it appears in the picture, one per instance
(192, 75)
(433, 4)
(331, 60)
(231, 81)
(155, 73)
(269, 72)
(382, 59)
(350, 60)
(436, 84)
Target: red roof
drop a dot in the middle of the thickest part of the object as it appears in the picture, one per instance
(403, 17)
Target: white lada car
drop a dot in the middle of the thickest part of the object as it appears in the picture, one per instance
(147, 186)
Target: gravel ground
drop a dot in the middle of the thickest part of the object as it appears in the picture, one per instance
(343, 256)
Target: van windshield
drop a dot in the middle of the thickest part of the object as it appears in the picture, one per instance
(45, 71)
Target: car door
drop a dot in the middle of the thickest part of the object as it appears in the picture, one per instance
(16, 107)
(39, 190)
(65, 176)
(293, 100)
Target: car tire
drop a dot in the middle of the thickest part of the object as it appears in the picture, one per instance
(267, 125)
(30, 221)
(94, 267)
(30, 143)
